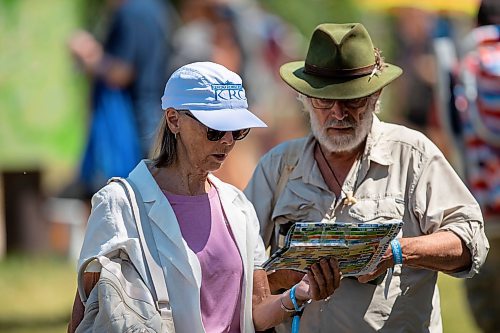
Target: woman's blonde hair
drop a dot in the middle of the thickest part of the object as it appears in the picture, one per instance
(164, 151)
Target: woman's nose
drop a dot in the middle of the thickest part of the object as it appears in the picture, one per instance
(227, 138)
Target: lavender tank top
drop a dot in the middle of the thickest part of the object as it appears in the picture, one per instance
(203, 226)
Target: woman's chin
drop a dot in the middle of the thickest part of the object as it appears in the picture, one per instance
(213, 166)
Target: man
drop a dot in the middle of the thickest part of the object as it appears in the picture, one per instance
(355, 168)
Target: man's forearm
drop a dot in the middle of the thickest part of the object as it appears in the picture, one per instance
(442, 251)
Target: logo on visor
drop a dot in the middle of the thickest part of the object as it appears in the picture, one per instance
(224, 92)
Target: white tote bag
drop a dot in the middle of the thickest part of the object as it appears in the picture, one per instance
(121, 301)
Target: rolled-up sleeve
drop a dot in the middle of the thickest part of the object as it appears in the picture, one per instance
(442, 202)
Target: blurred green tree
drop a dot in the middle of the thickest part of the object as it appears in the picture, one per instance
(306, 15)
(42, 117)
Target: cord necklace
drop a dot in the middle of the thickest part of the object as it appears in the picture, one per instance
(350, 199)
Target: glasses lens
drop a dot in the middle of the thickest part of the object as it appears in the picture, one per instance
(355, 103)
(320, 103)
(214, 135)
(241, 134)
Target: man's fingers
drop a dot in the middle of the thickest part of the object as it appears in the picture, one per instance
(313, 285)
(381, 268)
(328, 275)
(336, 274)
(324, 277)
(365, 278)
(368, 277)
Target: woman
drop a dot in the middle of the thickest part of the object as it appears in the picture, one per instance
(211, 242)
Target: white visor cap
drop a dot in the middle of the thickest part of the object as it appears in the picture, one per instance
(213, 94)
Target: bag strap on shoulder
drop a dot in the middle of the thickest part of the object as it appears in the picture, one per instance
(156, 272)
(80, 279)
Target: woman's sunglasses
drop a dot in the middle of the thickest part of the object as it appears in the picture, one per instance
(215, 135)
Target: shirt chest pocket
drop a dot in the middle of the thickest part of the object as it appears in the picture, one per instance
(300, 202)
(378, 209)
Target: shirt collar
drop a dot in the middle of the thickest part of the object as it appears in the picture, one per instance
(144, 181)
(150, 191)
(376, 149)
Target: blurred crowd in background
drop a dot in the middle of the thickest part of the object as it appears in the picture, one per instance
(51, 83)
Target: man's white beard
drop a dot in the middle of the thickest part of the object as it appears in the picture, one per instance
(343, 142)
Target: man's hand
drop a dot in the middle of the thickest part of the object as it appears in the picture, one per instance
(386, 263)
(320, 282)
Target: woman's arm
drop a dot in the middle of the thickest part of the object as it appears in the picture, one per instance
(89, 282)
(268, 310)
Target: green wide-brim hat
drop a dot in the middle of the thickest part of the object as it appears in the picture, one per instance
(341, 63)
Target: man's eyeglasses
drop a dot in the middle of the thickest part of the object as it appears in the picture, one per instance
(216, 135)
(351, 104)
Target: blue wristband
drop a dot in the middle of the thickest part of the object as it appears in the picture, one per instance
(397, 253)
(296, 316)
(294, 300)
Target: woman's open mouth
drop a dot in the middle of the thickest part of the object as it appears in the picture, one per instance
(220, 157)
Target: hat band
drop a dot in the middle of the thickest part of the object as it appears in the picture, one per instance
(327, 72)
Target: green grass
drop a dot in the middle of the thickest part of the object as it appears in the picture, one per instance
(455, 309)
(37, 296)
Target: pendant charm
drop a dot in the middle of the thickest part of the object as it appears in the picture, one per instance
(350, 200)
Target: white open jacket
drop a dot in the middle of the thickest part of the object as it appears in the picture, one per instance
(111, 227)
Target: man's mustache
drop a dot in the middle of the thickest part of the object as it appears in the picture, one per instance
(342, 123)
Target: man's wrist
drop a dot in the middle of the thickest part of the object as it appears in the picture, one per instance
(397, 253)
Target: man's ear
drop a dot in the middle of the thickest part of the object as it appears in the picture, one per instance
(375, 97)
(377, 93)
(172, 117)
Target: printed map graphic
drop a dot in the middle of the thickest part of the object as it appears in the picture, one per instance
(357, 247)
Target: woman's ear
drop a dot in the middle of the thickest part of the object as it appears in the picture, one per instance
(172, 117)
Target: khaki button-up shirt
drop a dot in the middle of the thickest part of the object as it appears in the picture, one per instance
(401, 175)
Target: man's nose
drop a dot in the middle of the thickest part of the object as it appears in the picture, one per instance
(338, 112)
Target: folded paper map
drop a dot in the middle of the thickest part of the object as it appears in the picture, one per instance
(357, 247)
